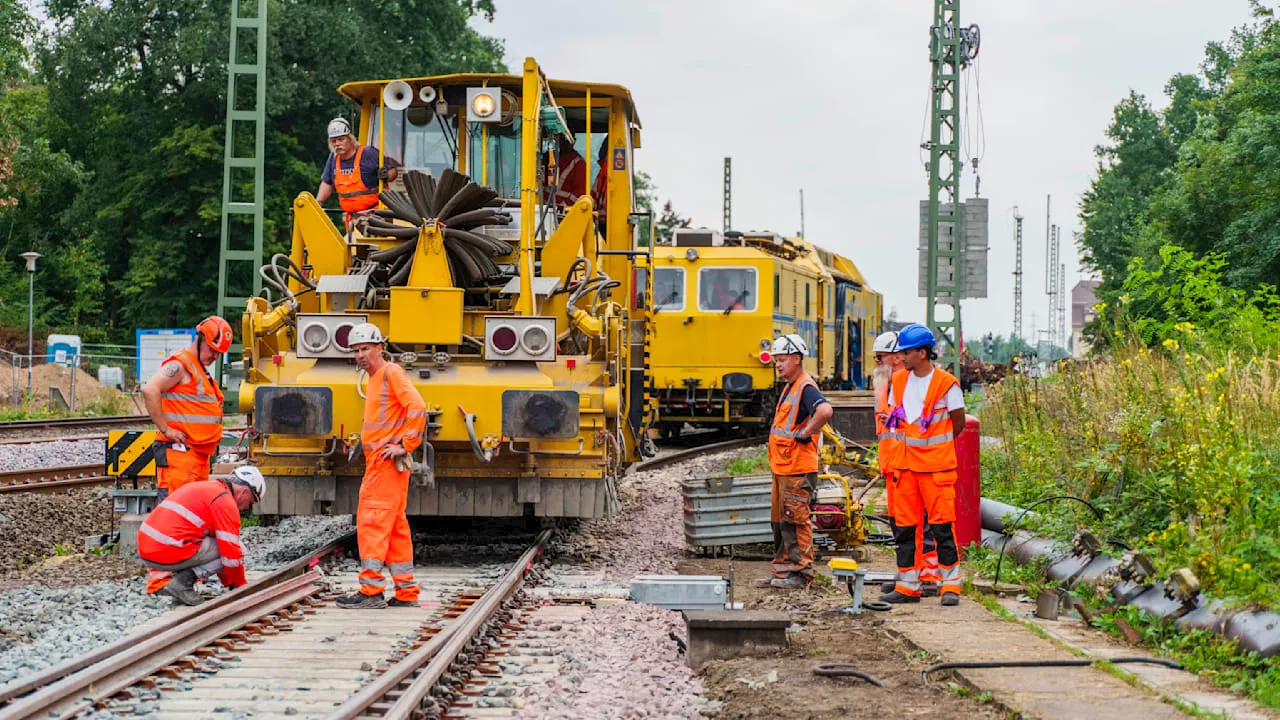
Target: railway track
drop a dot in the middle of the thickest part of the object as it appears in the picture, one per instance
(667, 458)
(48, 480)
(280, 648)
(61, 425)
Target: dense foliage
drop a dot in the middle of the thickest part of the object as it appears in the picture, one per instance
(111, 138)
(1200, 176)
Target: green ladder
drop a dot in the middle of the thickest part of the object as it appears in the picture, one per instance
(232, 249)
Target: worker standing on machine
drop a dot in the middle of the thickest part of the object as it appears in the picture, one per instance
(394, 418)
(889, 361)
(573, 174)
(927, 414)
(793, 458)
(353, 170)
(195, 533)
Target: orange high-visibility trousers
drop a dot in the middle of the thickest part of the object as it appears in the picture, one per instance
(185, 467)
(382, 530)
(792, 533)
(918, 493)
(926, 549)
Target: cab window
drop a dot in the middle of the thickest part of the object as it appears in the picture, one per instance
(418, 138)
(668, 289)
(732, 289)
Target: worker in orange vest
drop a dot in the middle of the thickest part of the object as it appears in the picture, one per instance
(354, 171)
(185, 404)
(394, 418)
(889, 361)
(195, 533)
(793, 458)
(600, 187)
(573, 174)
(927, 415)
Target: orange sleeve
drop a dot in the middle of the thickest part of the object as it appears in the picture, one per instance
(415, 418)
(226, 530)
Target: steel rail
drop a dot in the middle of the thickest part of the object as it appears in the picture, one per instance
(689, 454)
(77, 693)
(50, 479)
(53, 423)
(423, 668)
(23, 686)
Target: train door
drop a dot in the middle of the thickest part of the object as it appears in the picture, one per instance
(842, 376)
(857, 373)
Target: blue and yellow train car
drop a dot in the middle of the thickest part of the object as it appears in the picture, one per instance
(718, 303)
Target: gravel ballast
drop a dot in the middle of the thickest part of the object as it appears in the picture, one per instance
(34, 526)
(56, 453)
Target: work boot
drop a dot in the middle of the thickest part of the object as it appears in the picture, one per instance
(359, 601)
(950, 599)
(182, 588)
(794, 581)
(763, 582)
(397, 602)
(928, 589)
(898, 598)
(887, 587)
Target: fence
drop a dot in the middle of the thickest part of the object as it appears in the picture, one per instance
(101, 379)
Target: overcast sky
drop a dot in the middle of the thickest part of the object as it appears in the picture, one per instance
(830, 96)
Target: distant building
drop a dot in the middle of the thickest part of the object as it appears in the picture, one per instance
(1082, 301)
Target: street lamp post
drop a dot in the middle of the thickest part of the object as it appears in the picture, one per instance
(31, 258)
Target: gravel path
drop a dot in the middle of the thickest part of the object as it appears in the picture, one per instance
(41, 626)
(36, 525)
(57, 453)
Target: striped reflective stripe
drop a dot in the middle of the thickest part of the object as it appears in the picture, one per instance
(952, 577)
(784, 433)
(194, 419)
(182, 510)
(357, 193)
(229, 537)
(383, 425)
(374, 565)
(159, 537)
(929, 441)
(231, 563)
(401, 568)
(405, 584)
(908, 582)
(890, 435)
(189, 397)
(373, 582)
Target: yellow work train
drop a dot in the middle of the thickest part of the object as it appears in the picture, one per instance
(718, 303)
(521, 322)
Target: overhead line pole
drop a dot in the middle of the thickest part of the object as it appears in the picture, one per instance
(1017, 275)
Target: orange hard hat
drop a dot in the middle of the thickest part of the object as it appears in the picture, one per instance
(216, 332)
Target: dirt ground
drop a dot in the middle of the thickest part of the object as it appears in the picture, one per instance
(826, 636)
(63, 571)
(36, 526)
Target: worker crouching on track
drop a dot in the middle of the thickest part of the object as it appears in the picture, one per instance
(195, 532)
(793, 457)
(186, 405)
(394, 418)
(889, 361)
(927, 414)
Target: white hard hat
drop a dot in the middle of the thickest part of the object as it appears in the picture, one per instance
(250, 477)
(790, 345)
(339, 127)
(886, 342)
(365, 333)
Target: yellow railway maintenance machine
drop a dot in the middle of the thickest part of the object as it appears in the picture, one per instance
(718, 303)
(521, 322)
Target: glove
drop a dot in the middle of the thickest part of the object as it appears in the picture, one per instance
(383, 172)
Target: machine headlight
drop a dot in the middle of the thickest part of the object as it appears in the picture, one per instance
(535, 339)
(482, 106)
(315, 337)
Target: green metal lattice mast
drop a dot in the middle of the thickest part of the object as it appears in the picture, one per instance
(235, 254)
(950, 49)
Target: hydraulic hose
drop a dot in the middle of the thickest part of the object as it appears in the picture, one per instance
(1079, 662)
(470, 420)
(1009, 531)
(845, 670)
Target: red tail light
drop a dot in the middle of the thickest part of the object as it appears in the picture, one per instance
(766, 357)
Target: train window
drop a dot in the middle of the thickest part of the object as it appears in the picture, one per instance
(777, 291)
(418, 140)
(721, 289)
(806, 298)
(668, 289)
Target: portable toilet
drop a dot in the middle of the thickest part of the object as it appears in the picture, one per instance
(63, 349)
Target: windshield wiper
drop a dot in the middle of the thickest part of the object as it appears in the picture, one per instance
(741, 296)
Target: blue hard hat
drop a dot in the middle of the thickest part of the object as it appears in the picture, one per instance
(915, 336)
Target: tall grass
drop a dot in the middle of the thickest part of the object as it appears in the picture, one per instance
(1180, 448)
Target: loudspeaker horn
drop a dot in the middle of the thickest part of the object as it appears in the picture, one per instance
(426, 94)
(397, 95)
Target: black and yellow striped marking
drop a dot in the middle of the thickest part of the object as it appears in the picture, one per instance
(130, 454)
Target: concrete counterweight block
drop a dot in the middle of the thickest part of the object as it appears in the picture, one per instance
(724, 634)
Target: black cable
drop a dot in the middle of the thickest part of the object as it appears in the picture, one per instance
(1081, 662)
(845, 670)
(996, 581)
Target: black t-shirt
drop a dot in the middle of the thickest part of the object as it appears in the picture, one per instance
(809, 399)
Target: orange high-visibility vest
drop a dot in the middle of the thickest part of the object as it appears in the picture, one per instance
(890, 450)
(393, 411)
(573, 180)
(600, 190)
(353, 194)
(786, 455)
(931, 449)
(194, 406)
